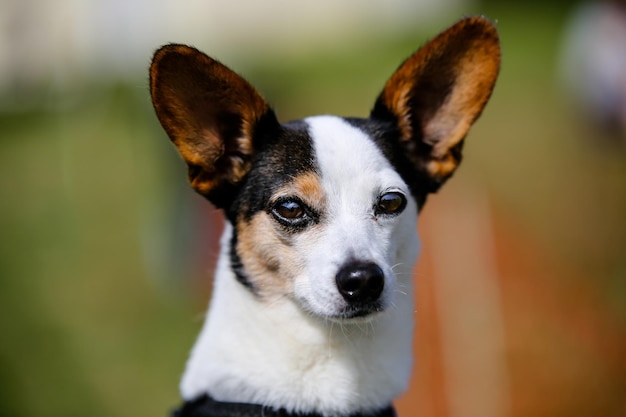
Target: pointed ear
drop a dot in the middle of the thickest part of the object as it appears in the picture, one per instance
(211, 114)
(437, 93)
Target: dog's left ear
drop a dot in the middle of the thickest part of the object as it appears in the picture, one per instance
(437, 93)
(211, 114)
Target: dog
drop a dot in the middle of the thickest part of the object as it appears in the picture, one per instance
(312, 311)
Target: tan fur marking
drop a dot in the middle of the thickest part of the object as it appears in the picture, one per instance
(307, 187)
(469, 95)
(396, 98)
(441, 168)
(269, 263)
(269, 254)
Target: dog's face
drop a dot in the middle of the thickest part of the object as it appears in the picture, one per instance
(323, 210)
(325, 218)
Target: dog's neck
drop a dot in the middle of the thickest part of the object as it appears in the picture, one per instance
(271, 353)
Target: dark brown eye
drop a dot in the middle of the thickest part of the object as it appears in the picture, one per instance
(289, 209)
(293, 213)
(392, 202)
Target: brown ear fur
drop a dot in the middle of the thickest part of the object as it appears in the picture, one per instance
(210, 114)
(438, 92)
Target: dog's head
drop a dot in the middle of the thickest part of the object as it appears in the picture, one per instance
(323, 210)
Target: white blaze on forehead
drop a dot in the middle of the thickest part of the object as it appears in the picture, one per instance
(349, 161)
(353, 174)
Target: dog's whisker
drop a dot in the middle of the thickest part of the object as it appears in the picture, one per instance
(394, 266)
(330, 338)
(393, 306)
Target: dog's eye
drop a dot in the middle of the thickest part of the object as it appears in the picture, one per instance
(289, 209)
(291, 212)
(392, 202)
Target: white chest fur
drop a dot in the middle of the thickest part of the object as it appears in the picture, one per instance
(277, 355)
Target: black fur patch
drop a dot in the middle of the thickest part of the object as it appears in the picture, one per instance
(231, 128)
(385, 133)
(206, 406)
(237, 266)
(283, 153)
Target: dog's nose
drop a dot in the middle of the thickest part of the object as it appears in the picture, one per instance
(360, 282)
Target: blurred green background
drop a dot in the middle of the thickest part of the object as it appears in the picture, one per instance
(105, 254)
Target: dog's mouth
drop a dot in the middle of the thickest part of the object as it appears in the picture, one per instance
(348, 313)
(363, 312)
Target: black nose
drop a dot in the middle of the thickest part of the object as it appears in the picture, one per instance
(360, 282)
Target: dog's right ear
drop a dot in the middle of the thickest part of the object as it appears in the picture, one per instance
(211, 114)
(436, 94)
